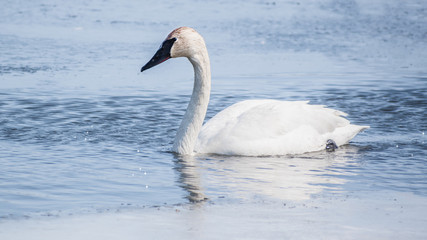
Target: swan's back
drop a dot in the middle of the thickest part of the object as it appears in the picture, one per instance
(270, 127)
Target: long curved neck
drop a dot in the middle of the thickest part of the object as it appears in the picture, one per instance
(188, 131)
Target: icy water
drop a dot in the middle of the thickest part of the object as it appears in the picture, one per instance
(83, 133)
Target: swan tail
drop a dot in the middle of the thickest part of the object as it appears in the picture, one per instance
(343, 135)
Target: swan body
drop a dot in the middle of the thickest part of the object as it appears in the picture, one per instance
(251, 127)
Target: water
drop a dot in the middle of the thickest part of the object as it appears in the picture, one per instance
(81, 131)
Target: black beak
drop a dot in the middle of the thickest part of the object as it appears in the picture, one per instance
(161, 55)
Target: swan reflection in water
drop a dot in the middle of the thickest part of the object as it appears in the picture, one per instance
(292, 178)
(189, 177)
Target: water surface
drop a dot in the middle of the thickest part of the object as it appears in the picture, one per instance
(82, 132)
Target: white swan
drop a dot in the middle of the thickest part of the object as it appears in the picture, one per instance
(252, 127)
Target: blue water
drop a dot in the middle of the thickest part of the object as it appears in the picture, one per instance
(82, 131)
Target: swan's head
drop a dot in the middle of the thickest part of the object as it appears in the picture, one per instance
(181, 42)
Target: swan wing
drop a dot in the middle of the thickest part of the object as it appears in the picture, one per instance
(271, 127)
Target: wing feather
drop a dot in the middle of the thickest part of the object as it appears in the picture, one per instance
(271, 127)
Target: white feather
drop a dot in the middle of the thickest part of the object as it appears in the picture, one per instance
(270, 127)
(253, 127)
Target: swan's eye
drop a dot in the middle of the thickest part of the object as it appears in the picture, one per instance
(167, 45)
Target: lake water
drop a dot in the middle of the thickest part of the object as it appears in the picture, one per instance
(84, 136)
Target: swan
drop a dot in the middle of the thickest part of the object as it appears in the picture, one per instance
(252, 127)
